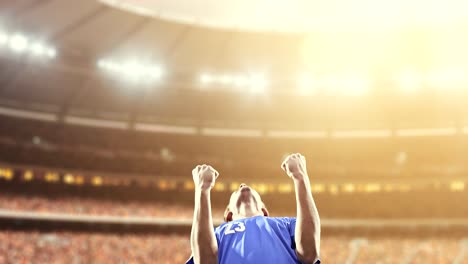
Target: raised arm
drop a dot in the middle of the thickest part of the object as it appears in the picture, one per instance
(202, 239)
(307, 233)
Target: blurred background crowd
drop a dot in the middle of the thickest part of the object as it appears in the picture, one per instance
(76, 248)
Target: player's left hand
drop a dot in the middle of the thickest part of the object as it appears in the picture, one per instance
(295, 166)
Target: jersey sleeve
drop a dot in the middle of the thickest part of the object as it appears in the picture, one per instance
(292, 230)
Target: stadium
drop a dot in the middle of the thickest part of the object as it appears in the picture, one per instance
(107, 106)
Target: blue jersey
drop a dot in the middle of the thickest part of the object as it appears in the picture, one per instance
(256, 240)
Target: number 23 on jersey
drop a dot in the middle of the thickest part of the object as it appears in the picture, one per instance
(232, 228)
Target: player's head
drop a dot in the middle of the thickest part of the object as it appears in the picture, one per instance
(244, 202)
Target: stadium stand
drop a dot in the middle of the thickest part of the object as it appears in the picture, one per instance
(89, 206)
(66, 247)
(125, 151)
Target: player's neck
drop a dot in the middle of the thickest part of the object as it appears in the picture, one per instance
(247, 211)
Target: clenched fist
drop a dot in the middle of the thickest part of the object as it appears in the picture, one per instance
(204, 177)
(295, 166)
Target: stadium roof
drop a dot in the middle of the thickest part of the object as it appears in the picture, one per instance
(91, 29)
(90, 37)
(299, 16)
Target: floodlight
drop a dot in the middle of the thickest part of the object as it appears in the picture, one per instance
(257, 83)
(225, 79)
(131, 68)
(18, 43)
(51, 52)
(206, 78)
(240, 80)
(38, 49)
(111, 66)
(155, 72)
(101, 63)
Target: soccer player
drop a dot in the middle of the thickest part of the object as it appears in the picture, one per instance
(249, 235)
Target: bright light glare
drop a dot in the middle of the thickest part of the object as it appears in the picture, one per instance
(51, 52)
(3, 38)
(332, 84)
(307, 16)
(206, 78)
(108, 65)
(101, 63)
(306, 85)
(410, 81)
(226, 79)
(156, 72)
(132, 70)
(258, 84)
(341, 84)
(355, 85)
(240, 80)
(18, 43)
(448, 79)
(255, 83)
(38, 49)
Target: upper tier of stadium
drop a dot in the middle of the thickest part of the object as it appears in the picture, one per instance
(98, 60)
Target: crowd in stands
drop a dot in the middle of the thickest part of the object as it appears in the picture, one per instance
(387, 251)
(94, 247)
(128, 203)
(89, 206)
(77, 248)
(87, 248)
(96, 149)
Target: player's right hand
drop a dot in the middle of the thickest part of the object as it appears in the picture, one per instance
(204, 176)
(295, 166)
